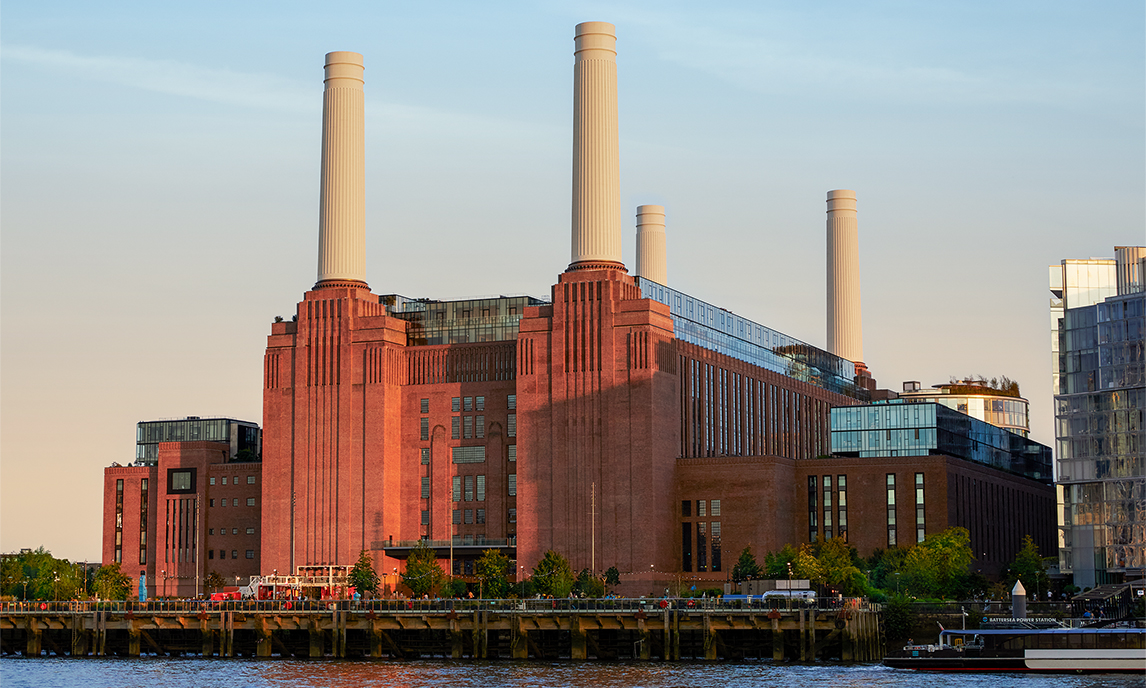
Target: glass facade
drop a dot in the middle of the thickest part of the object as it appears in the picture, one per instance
(1101, 441)
(895, 428)
(459, 322)
(716, 329)
(1006, 412)
(242, 436)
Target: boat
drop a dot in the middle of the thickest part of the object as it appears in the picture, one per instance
(1030, 645)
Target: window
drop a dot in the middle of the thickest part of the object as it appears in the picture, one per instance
(234, 531)
(425, 406)
(891, 510)
(469, 488)
(468, 454)
(813, 499)
(701, 547)
(828, 507)
(224, 480)
(513, 515)
(456, 404)
(425, 487)
(701, 507)
(250, 501)
(512, 484)
(425, 456)
(224, 502)
(468, 426)
(234, 554)
(479, 516)
(714, 508)
(457, 516)
(425, 517)
(715, 534)
(210, 554)
(456, 427)
(424, 433)
(842, 505)
(250, 554)
(222, 554)
(250, 531)
(920, 512)
(180, 480)
(469, 516)
(511, 425)
(513, 452)
(481, 488)
(468, 404)
(210, 531)
(250, 480)
(457, 488)
(511, 402)
(212, 481)
(686, 511)
(479, 426)
(686, 545)
(479, 403)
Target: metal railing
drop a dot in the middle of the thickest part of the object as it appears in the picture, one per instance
(443, 606)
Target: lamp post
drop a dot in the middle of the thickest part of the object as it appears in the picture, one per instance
(897, 582)
(55, 585)
(789, 585)
(521, 579)
(164, 572)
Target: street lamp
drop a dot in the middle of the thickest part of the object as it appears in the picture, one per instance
(789, 585)
(521, 579)
(897, 582)
(55, 585)
(164, 572)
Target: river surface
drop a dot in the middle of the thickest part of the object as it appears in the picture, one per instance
(152, 672)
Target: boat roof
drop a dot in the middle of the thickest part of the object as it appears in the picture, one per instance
(1013, 631)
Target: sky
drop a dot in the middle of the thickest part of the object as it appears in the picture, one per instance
(159, 168)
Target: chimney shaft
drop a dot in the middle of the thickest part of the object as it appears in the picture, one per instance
(342, 203)
(845, 329)
(596, 164)
(651, 243)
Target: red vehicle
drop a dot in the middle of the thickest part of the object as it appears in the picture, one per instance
(226, 595)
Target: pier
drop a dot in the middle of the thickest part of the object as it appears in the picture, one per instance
(638, 629)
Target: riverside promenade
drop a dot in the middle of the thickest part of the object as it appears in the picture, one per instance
(641, 629)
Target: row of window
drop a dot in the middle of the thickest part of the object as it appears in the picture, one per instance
(920, 510)
(702, 509)
(460, 516)
(467, 427)
(835, 507)
(470, 488)
(234, 531)
(234, 554)
(235, 480)
(708, 535)
(234, 502)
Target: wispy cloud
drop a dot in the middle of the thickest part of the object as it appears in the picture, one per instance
(174, 78)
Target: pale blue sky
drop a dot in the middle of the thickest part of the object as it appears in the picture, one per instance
(159, 184)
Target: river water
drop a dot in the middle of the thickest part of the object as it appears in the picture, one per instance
(152, 672)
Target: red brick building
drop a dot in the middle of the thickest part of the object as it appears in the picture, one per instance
(194, 511)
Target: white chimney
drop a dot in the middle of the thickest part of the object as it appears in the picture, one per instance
(651, 243)
(845, 328)
(596, 163)
(342, 202)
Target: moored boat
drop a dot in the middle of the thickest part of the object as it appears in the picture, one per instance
(1029, 645)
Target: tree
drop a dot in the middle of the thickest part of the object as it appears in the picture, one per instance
(214, 581)
(746, 567)
(362, 576)
(805, 565)
(937, 566)
(553, 575)
(1031, 568)
(776, 563)
(36, 574)
(612, 576)
(837, 565)
(588, 585)
(111, 583)
(492, 570)
(423, 573)
(885, 568)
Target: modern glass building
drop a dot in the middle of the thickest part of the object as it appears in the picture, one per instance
(717, 329)
(897, 428)
(461, 321)
(976, 400)
(243, 436)
(1101, 442)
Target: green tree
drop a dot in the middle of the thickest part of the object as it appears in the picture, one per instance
(213, 582)
(806, 565)
(1031, 568)
(938, 566)
(111, 583)
(453, 588)
(423, 573)
(837, 565)
(362, 576)
(492, 570)
(36, 574)
(776, 563)
(746, 567)
(588, 585)
(883, 567)
(553, 575)
(612, 576)
(899, 617)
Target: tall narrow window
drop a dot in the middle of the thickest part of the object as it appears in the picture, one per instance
(481, 488)
(469, 488)
(813, 509)
(425, 456)
(686, 508)
(511, 402)
(479, 425)
(456, 404)
(513, 452)
(715, 526)
(468, 404)
(425, 487)
(457, 488)
(891, 510)
(424, 432)
(143, 521)
(425, 517)
(701, 507)
(920, 516)
(119, 520)
(425, 405)
(468, 426)
(701, 547)
(512, 483)
(842, 505)
(479, 403)
(511, 425)
(456, 427)
(827, 507)
(686, 545)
